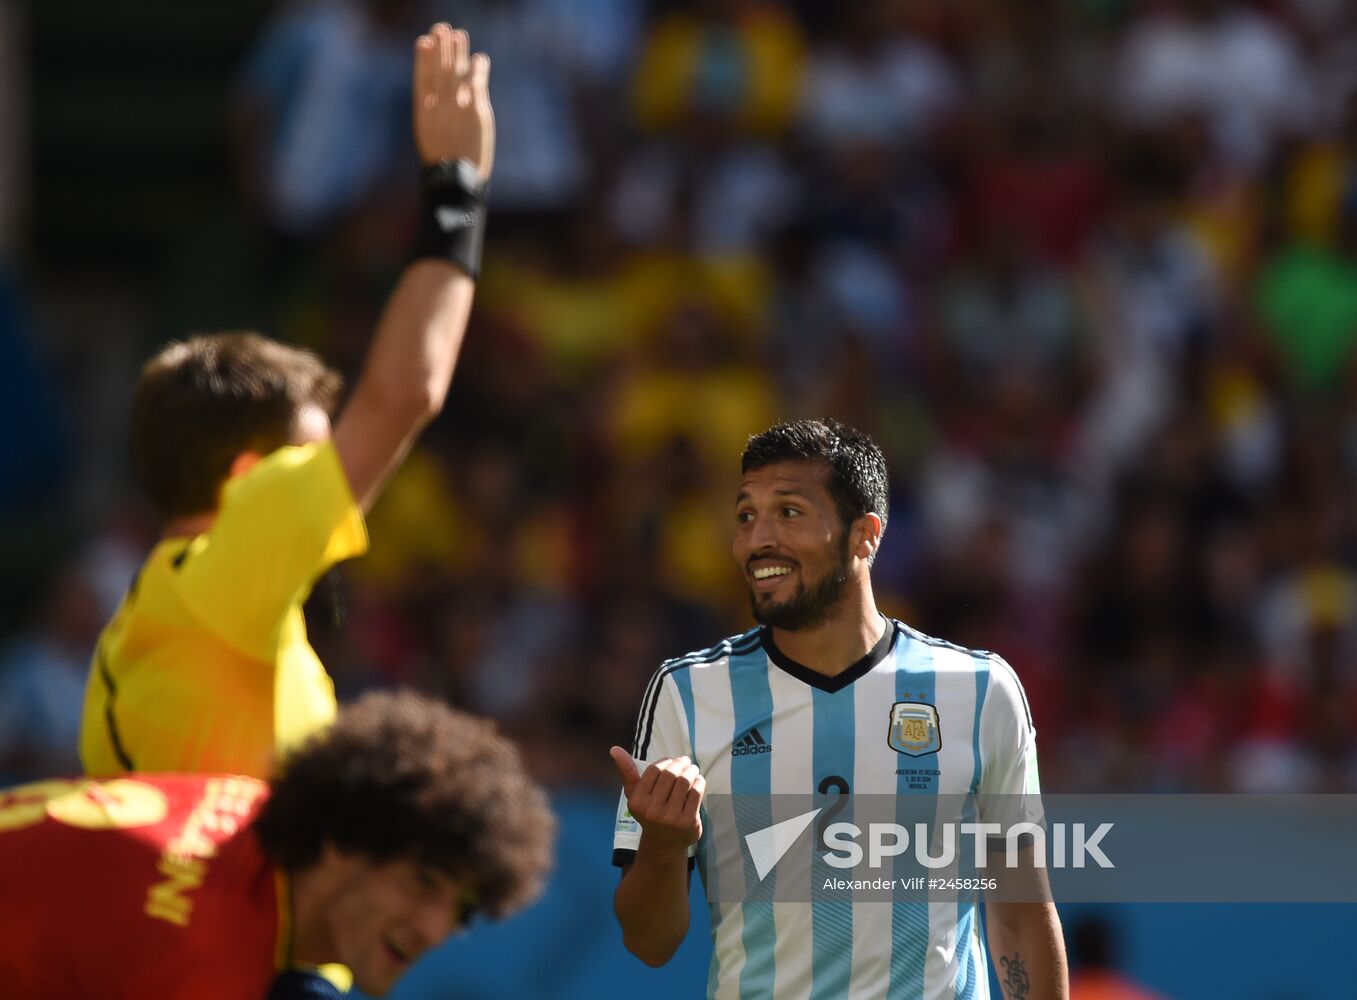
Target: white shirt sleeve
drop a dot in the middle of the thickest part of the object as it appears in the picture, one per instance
(1010, 789)
(661, 731)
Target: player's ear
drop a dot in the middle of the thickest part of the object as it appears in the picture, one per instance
(336, 860)
(243, 463)
(866, 535)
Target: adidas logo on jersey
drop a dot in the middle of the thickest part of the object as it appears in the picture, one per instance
(751, 742)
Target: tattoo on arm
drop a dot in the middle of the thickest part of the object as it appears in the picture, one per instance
(1017, 984)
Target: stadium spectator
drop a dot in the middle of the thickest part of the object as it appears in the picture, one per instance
(870, 80)
(1234, 65)
(716, 85)
(41, 677)
(375, 841)
(733, 64)
(551, 57)
(1307, 302)
(321, 110)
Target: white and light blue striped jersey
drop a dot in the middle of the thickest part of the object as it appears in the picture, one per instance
(757, 723)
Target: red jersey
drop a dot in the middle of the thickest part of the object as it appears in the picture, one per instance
(141, 886)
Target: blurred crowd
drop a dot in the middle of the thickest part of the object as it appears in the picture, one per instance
(1086, 269)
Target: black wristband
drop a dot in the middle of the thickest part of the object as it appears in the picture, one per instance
(452, 215)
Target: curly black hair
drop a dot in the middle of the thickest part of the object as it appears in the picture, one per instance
(402, 776)
(858, 480)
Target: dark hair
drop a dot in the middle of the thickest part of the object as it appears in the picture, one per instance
(200, 402)
(858, 480)
(403, 777)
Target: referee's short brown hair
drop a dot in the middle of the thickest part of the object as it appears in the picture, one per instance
(201, 402)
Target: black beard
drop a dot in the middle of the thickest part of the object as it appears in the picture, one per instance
(807, 608)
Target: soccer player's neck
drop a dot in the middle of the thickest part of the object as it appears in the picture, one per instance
(840, 641)
(193, 525)
(187, 527)
(312, 937)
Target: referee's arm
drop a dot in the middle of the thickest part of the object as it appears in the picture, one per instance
(409, 365)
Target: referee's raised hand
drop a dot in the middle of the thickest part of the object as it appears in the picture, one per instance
(453, 119)
(666, 800)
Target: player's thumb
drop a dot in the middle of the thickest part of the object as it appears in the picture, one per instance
(626, 768)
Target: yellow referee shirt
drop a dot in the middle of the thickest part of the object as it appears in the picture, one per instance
(205, 666)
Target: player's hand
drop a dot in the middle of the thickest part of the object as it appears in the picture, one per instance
(452, 114)
(666, 800)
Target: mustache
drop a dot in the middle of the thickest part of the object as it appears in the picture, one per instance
(763, 557)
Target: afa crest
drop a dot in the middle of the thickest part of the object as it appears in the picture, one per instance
(914, 729)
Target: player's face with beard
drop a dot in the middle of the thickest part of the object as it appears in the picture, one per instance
(792, 545)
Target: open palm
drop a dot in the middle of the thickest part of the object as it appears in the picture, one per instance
(453, 119)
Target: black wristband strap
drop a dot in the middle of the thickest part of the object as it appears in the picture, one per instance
(452, 215)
